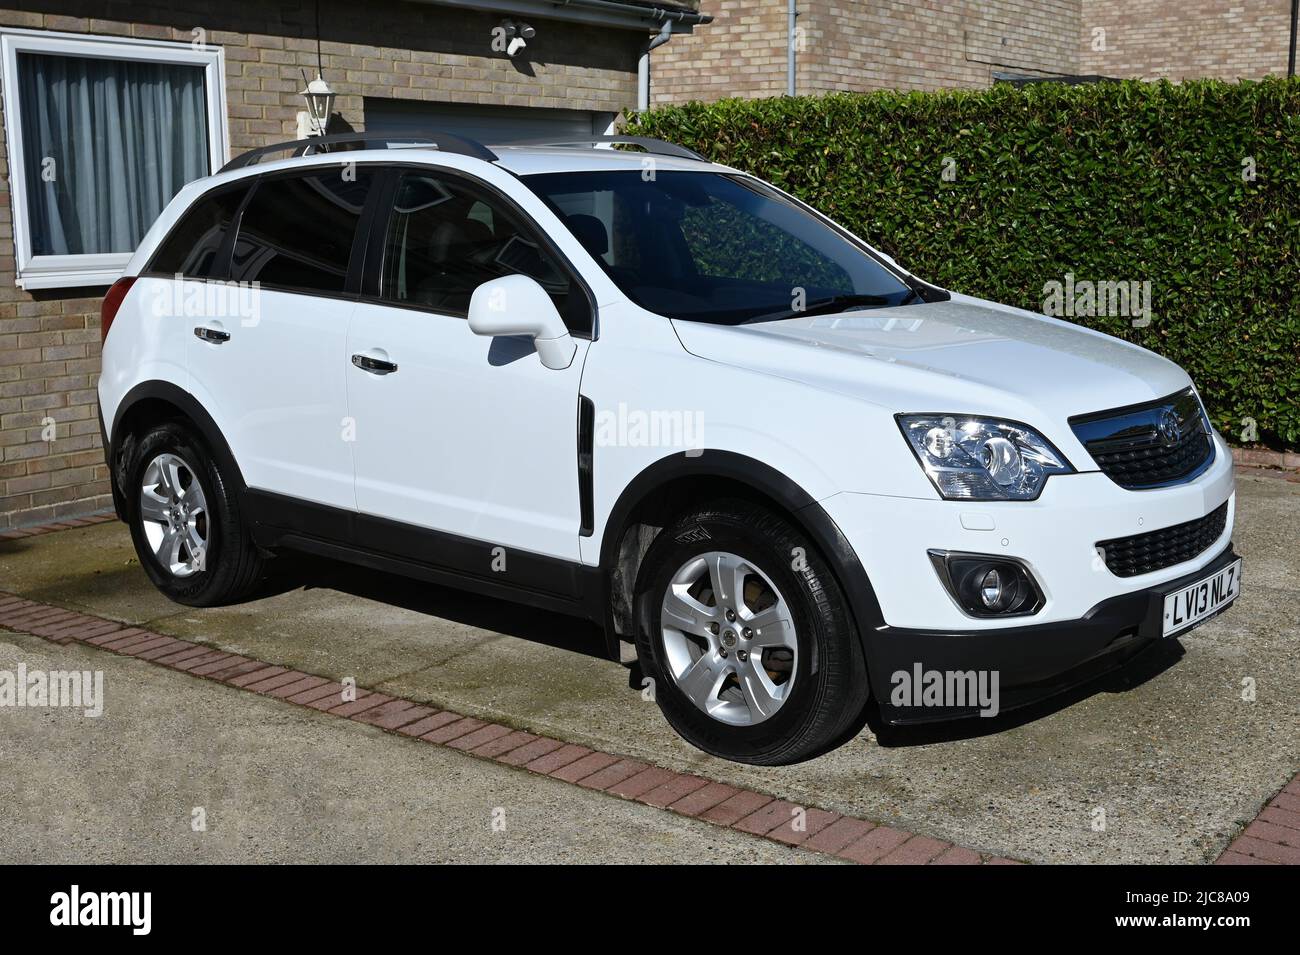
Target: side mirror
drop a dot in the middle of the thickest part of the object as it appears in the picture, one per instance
(517, 305)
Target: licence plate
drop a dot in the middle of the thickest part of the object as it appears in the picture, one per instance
(1205, 598)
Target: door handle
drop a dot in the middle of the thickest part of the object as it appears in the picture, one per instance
(376, 366)
(214, 335)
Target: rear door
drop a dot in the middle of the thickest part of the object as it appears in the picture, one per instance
(268, 357)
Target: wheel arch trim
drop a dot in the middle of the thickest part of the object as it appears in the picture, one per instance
(808, 514)
(189, 406)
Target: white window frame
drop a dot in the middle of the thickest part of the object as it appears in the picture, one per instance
(70, 271)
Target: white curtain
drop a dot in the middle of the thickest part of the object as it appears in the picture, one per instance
(106, 144)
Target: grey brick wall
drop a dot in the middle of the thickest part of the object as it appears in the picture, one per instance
(49, 341)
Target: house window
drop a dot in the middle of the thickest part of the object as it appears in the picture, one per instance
(102, 133)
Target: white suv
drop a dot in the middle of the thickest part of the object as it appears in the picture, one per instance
(657, 393)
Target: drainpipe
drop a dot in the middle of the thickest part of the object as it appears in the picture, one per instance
(789, 53)
(1290, 62)
(643, 65)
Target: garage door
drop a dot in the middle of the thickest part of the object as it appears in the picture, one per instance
(487, 124)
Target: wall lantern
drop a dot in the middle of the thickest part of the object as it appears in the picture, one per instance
(320, 106)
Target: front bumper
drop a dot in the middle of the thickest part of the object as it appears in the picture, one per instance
(1090, 618)
(1032, 662)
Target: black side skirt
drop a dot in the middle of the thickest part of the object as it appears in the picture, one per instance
(548, 583)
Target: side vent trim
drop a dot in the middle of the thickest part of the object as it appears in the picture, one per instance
(586, 477)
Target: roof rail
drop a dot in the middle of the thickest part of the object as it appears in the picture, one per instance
(371, 140)
(657, 146)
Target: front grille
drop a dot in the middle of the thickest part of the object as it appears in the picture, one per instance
(1156, 550)
(1149, 445)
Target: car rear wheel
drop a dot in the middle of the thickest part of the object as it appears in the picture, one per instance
(747, 636)
(185, 521)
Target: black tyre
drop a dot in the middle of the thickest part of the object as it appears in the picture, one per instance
(185, 520)
(747, 636)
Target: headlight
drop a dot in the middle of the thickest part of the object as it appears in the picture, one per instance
(982, 459)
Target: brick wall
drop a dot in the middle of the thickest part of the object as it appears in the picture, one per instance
(858, 46)
(1153, 39)
(940, 44)
(49, 340)
(741, 53)
(862, 45)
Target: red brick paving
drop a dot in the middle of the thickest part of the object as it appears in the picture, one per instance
(917, 850)
(190, 651)
(365, 700)
(227, 669)
(795, 831)
(956, 855)
(108, 636)
(477, 738)
(164, 649)
(764, 820)
(839, 834)
(664, 795)
(584, 767)
(255, 676)
(1272, 839)
(615, 772)
(428, 724)
(1287, 800)
(703, 799)
(505, 744)
(385, 714)
(272, 682)
(731, 811)
(641, 783)
(529, 751)
(289, 689)
(21, 532)
(874, 846)
(324, 691)
(453, 730)
(1281, 817)
(558, 758)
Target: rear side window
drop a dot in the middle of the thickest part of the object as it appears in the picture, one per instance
(193, 246)
(296, 233)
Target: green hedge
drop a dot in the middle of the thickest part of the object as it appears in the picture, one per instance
(1110, 182)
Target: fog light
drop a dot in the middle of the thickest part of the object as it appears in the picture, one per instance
(991, 591)
(987, 586)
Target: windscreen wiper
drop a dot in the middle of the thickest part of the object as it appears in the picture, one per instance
(826, 306)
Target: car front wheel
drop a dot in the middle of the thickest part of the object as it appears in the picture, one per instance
(747, 636)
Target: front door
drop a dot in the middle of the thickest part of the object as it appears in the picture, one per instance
(467, 436)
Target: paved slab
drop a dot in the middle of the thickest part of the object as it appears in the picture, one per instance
(1179, 762)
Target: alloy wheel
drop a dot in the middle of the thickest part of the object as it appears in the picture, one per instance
(729, 638)
(174, 515)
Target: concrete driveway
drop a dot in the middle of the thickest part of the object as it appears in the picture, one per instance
(284, 784)
(1171, 752)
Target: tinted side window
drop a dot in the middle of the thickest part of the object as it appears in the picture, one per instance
(194, 243)
(446, 238)
(296, 232)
